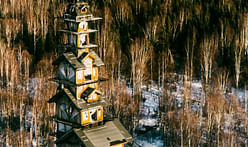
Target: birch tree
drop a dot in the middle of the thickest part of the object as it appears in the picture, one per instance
(240, 42)
(139, 50)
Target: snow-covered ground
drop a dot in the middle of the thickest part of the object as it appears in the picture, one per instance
(148, 133)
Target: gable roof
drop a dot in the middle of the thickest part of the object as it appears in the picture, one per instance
(71, 59)
(88, 91)
(97, 61)
(80, 104)
(72, 84)
(111, 133)
(85, 55)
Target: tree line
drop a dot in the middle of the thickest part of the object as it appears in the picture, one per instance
(140, 42)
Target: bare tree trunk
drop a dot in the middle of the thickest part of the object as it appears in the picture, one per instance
(31, 131)
(34, 32)
(245, 95)
(159, 80)
(238, 53)
(181, 129)
(151, 68)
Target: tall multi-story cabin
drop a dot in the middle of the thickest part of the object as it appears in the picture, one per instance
(79, 102)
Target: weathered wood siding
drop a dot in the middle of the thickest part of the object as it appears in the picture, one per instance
(73, 40)
(92, 115)
(67, 111)
(63, 128)
(85, 119)
(66, 72)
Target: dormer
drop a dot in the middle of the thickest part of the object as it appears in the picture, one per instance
(80, 8)
(91, 61)
(70, 109)
(90, 94)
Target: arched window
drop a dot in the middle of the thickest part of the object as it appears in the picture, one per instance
(84, 9)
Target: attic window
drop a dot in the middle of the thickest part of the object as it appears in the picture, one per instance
(84, 9)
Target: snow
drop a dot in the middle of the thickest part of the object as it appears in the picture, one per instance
(149, 122)
(148, 133)
(241, 94)
(33, 86)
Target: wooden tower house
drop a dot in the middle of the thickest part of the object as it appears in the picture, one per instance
(79, 102)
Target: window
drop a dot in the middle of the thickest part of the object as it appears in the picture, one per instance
(82, 40)
(95, 73)
(69, 110)
(80, 75)
(79, 91)
(83, 26)
(87, 74)
(94, 116)
(84, 9)
(85, 116)
(99, 112)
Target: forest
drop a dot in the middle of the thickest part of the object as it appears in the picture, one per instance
(142, 43)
